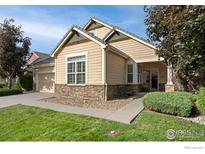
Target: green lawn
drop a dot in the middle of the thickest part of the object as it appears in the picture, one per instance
(24, 123)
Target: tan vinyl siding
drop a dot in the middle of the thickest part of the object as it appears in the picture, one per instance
(134, 49)
(101, 32)
(115, 69)
(160, 66)
(94, 62)
(48, 69)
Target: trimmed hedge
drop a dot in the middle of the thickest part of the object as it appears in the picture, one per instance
(201, 99)
(6, 92)
(175, 103)
(26, 82)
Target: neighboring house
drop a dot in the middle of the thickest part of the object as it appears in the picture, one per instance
(42, 66)
(102, 62)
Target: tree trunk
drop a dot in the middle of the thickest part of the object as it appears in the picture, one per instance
(9, 82)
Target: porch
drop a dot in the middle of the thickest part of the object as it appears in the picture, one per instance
(152, 76)
(149, 75)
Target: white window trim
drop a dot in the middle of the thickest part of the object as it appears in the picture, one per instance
(130, 73)
(135, 72)
(86, 67)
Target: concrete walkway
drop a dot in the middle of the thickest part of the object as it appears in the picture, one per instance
(127, 113)
(124, 115)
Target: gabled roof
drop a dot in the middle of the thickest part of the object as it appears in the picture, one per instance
(116, 28)
(99, 21)
(40, 54)
(49, 60)
(40, 57)
(81, 31)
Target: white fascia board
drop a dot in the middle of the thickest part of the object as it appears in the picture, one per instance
(43, 65)
(137, 39)
(61, 43)
(149, 59)
(86, 26)
(117, 51)
(109, 35)
(86, 35)
(102, 23)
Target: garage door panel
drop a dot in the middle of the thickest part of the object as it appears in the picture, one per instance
(46, 82)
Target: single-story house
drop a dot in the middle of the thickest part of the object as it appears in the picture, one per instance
(101, 62)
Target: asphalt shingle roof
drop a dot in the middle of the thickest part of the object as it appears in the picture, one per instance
(125, 31)
(42, 57)
(49, 60)
(82, 30)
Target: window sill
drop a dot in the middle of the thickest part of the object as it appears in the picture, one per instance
(80, 85)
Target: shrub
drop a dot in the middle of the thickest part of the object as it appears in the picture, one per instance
(2, 85)
(201, 99)
(6, 92)
(26, 82)
(175, 103)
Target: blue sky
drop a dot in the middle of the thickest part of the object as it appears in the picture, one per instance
(46, 25)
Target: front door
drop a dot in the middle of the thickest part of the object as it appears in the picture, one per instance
(154, 75)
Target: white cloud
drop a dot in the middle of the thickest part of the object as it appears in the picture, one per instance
(43, 29)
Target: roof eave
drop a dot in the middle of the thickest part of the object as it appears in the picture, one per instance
(86, 35)
(135, 38)
(96, 20)
(118, 52)
(81, 32)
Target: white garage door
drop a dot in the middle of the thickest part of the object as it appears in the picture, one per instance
(46, 82)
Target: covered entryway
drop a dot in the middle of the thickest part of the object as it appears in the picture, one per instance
(153, 76)
(46, 82)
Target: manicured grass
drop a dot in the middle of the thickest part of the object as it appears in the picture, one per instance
(24, 123)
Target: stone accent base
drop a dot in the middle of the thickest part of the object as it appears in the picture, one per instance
(121, 91)
(95, 93)
(86, 93)
(169, 87)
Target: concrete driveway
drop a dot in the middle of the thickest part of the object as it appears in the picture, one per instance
(23, 98)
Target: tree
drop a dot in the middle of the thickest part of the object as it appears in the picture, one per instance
(14, 47)
(179, 34)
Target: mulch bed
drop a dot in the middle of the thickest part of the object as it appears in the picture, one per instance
(112, 105)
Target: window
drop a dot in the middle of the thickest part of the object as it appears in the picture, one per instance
(76, 69)
(130, 73)
(139, 73)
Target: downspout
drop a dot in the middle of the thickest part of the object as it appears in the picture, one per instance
(104, 80)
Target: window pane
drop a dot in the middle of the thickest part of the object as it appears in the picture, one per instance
(80, 66)
(129, 68)
(130, 78)
(77, 58)
(80, 78)
(71, 78)
(71, 67)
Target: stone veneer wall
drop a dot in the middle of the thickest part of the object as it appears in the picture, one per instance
(89, 93)
(122, 91)
(78, 92)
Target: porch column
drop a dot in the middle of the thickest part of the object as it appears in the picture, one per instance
(169, 87)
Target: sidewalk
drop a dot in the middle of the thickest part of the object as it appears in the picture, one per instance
(124, 115)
